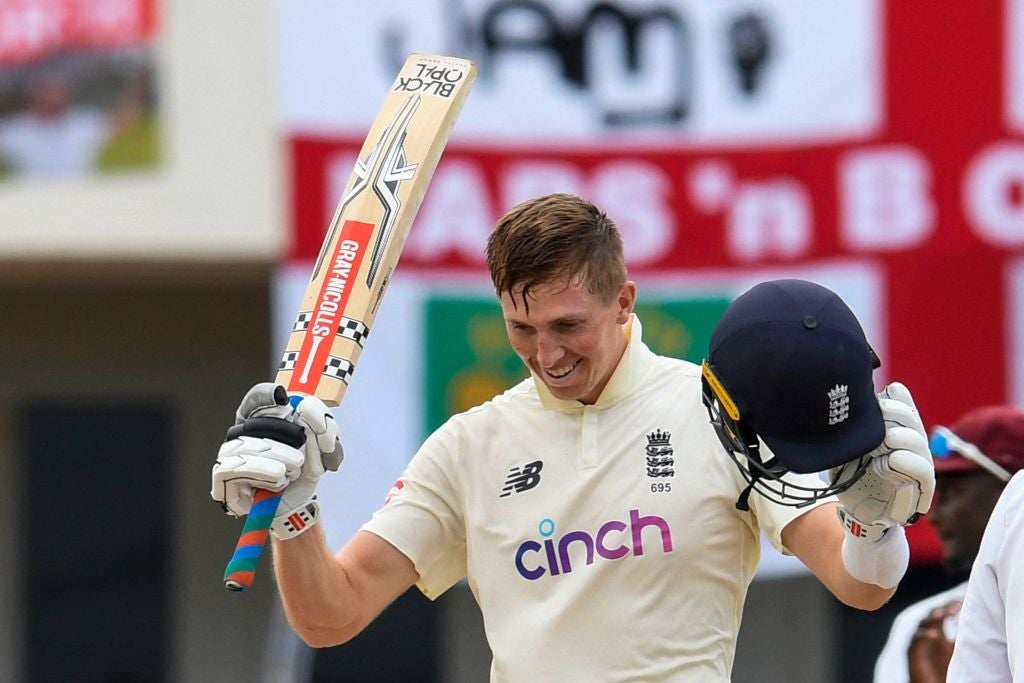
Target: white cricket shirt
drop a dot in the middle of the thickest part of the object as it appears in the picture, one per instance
(67, 144)
(892, 666)
(990, 636)
(602, 542)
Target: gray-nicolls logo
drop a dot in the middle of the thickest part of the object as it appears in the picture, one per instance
(522, 478)
(660, 462)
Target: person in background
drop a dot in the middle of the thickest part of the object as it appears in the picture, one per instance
(53, 136)
(989, 645)
(57, 134)
(974, 460)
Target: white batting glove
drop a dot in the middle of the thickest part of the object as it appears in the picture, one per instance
(895, 490)
(275, 445)
(898, 485)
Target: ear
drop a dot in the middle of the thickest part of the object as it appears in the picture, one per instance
(626, 300)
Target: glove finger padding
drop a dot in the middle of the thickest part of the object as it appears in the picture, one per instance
(259, 455)
(898, 391)
(259, 460)
(265, 399)
(915, 498)
(896, 437)
(899, 482)
(248, 462)
(323, 438)
(908, 438)
(898, 405)
(319, 423)
(884, 495)
(906, 442)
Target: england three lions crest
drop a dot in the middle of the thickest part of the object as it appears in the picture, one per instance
(660, 462)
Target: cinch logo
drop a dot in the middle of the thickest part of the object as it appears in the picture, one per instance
(613, 541)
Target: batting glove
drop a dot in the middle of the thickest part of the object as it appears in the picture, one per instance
(277, 444)
(899, 482)
(895, 490)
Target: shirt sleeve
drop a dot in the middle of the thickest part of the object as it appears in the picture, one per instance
(773, 518)
(423, 517)
(891, 665)
(990, 638)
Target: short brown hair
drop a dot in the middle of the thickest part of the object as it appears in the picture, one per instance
(556, 238)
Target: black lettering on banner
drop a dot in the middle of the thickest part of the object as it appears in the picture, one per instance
(751, 47)
(502, 30)
(616, 31)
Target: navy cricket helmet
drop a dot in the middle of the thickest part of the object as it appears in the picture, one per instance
(789, 366)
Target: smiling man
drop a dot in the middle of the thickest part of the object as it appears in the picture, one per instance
(564, 293)
(566, 340)
(597, 495)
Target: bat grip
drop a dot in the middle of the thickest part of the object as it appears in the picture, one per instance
(241, 570)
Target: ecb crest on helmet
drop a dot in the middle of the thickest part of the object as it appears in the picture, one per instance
(838, 404)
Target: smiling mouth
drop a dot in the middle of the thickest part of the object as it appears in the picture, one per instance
(559, 373)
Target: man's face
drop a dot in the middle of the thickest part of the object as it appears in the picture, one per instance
(963, 504)
(570, 339)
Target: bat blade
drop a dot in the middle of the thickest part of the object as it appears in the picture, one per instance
(371, 224)
(360, 251)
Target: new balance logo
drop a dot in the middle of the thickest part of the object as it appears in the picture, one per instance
(523, 478)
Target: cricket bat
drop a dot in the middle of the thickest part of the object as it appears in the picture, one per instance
(359, 254)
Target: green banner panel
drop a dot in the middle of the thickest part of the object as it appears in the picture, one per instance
(469, 360)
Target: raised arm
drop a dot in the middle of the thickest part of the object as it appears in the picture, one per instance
(328, 598)
(816, 538)
(859, 549)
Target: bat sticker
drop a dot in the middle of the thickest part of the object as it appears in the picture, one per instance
(392, 172)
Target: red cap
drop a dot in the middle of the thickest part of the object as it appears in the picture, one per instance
(997, 431)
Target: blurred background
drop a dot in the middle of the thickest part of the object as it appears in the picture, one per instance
(167, 172)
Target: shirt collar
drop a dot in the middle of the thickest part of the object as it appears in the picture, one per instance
(626, 378)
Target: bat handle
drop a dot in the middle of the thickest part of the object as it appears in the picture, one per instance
(241, 570)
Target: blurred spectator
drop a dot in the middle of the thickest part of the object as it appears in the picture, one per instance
(55, 133)
(974, 459)
(52, 136)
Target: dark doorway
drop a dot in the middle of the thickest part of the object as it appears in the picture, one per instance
(96, 528)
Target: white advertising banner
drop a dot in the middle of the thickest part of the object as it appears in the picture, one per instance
(578, 71)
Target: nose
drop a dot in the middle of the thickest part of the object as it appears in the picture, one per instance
(549, 351)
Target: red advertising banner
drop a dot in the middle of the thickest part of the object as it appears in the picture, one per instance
(32, 29)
